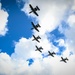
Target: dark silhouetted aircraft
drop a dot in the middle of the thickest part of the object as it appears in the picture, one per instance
(39, 49)
(35, 26)
(36, 38)
(64, 59)
(51, 54)
(34, 9)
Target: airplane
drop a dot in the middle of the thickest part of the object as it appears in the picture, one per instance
(35, 26)
(51, 54)
(34, 10)
(39, 49)
(36, 38)
(64, 59)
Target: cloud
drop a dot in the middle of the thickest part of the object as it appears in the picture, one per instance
(6, 64)
(69, 33)
(25, 49)
(3, 21)
(50, 16)
(49, 66)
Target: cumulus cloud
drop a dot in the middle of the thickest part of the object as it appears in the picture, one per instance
(6, 64)
(49, 66)
(3, 21)
(50, 16)
(25, 49)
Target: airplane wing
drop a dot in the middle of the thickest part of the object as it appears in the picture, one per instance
(35, 13)
(33, 10)
(52, 55)
(31, 7)
(36, 47)
(65, 61)
(49, 52)
(33, 24)
(36, 29)
(37, 40)
(33, 36)
(40, 51)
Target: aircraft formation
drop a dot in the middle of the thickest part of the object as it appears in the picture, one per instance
(37, 38)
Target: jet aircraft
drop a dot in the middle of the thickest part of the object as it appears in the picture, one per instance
(36, 38)
(64, 59)
(39, 49)
(34, 10)
(51, 54)
(35, 26)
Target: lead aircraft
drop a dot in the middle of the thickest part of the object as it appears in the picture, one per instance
(34, 10)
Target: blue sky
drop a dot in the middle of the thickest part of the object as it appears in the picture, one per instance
(17, 50)
(18, 26)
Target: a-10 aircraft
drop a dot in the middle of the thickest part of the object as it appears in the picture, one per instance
(51, 54)
(39, 49)
(35, 26)
(36, 38)
(34, 10)
(64, 59)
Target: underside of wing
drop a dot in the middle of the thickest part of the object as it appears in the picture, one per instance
(35, 13)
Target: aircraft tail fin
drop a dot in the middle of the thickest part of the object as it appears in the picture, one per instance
(37, 8)
(54, 53)
(38, 25)
(41, 48)
(39, 37)
(66, 58)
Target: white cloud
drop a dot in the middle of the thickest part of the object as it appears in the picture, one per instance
(70, 32)
(6, 64)
(47, 66)
(25, 49)
(3, 21)
(50, 15)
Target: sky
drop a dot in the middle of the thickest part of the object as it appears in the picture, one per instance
(17, 50)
